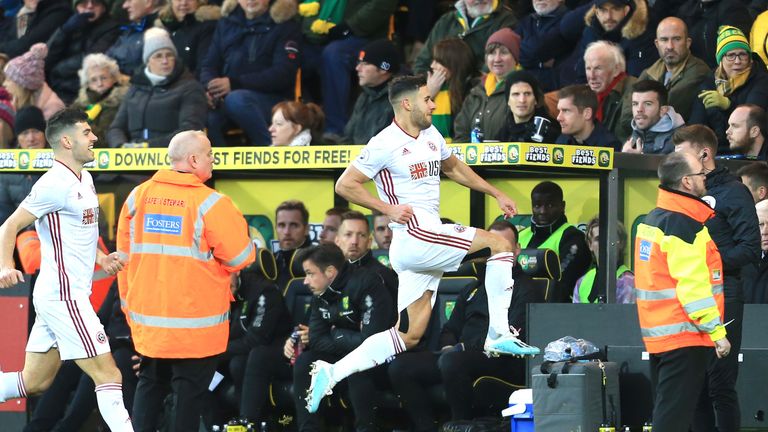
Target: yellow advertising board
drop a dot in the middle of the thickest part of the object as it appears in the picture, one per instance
(267, 158)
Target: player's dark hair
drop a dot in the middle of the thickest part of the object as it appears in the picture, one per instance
(503, 224)
(61, 122)
(645, 86)
(323, 255)
(401, 85)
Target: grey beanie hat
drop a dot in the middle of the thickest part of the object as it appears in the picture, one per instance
(155, 39)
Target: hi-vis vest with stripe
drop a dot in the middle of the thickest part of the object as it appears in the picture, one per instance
(183, 240)
(678, 275)
(552, 242)
(588, 281)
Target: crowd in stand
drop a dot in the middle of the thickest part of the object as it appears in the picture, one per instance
(624, 74)
(284, 72)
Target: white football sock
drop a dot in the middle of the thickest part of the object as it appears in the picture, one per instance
(499, 286)
(11, 386)
(375, 350)
(112, 408)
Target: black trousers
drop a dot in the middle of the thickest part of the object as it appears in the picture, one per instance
(719, 402)
(52, 413)
(306, 421)
(263, 364)
(460, 369)
(677, 377)
(411, 374)
(186, 379)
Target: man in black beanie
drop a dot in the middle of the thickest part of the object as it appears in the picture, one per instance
(377, 63)
(30, 128)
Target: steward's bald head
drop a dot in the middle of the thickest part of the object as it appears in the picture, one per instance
(190, 151)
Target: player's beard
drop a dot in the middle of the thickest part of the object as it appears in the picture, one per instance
(420, 119)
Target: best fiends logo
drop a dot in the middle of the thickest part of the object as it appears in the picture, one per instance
(584, 157)
(537, 154)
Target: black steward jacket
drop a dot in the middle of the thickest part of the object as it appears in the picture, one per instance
(734, 228)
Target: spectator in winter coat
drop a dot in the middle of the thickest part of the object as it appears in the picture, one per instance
(679, 70)
(377, 63)
(544, 57)
(705, 17)
(191, 24)
(606, 76)
(747, 132)
(250, 66)
(89, 30)
(296, 124)
(14, 187)
(576, 105)
(7, 114)
(485, 107)
(474, 21)
(449, 80)
(740, 78)
(334, 32)
(163, 99)
(527, 118)
(102, 90)
(35, 22)
(25, 81)
(127, 50)
(626, 23)
(653, 121)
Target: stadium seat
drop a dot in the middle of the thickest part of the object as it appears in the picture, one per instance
(264, 265)
(297, 295)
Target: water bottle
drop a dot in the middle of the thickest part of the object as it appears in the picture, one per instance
(476, 135)
(648, 427)
(296, 345)
(605, 427)
(263, 427)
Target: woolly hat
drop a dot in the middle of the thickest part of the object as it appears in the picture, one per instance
(730, 38)
(28, 69)
(7, 113)
(29, 117)
(381, 53)
(156, 39)
(507, 38)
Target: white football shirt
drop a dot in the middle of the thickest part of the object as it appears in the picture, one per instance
(67, 211)
(406, 170)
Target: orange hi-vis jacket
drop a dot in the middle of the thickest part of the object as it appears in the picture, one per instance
(183, 240)
(678, 275)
